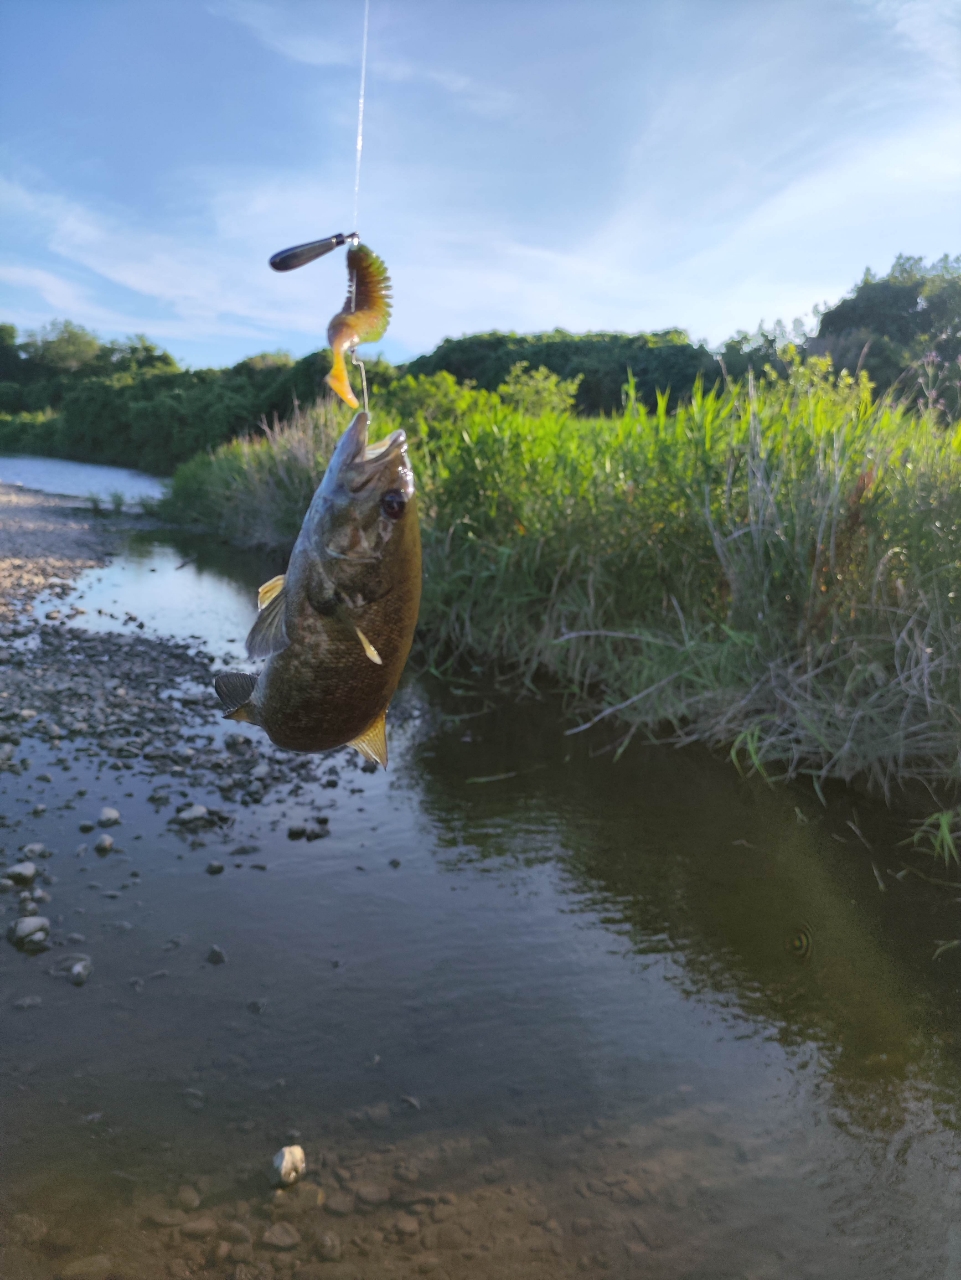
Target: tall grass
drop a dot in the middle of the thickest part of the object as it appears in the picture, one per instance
(771, 567)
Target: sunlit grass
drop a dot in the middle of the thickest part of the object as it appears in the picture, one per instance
(770, 568)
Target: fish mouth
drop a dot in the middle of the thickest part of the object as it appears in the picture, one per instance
(368, 460)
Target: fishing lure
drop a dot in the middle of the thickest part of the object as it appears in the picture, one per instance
(363, 318)
(366, 311)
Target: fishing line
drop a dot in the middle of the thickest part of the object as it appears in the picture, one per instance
(360, 111)
(360, 151)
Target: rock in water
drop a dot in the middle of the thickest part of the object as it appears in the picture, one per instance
(30, 933)
(289, 1165)
(216, 955)
(282, 1235)
(329, 1247)
(97, 1267)
(108, 817)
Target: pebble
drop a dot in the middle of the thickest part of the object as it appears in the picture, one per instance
(192, 813)
(407, 1225)
(104, 844)
(199, 1228)
(329, 1248)
(108, 817)
(372, 1193)
(214, 868)
(95, 1267)
(188, 1198)
(340, 1204)
(236, 1233)
(22, 873)
(166, 1217)
(281, 1236)
(216, 955)
(30, 933)
(35, 850)
(289, 1164)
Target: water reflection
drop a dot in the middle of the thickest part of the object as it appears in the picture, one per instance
(184, 586)
(748, 892)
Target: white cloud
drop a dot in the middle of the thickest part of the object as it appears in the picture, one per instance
(932, 27)
(277, 28)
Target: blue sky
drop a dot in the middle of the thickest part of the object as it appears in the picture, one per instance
(528, 163)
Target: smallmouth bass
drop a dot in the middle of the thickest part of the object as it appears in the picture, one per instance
(337, 628)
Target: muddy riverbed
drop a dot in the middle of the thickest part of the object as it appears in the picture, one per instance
(528, 1013)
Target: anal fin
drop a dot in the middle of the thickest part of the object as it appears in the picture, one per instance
(372, 743)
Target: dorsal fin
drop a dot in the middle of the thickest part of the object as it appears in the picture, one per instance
(268, 635)
(269, 590)
(234, 689)
(372, 743)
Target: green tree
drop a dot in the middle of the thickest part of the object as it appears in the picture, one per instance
(898, 325)
(60, 347)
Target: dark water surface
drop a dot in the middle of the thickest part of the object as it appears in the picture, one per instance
(633, 1019)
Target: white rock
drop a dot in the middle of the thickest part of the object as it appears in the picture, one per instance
(22, 873)
(27, 928)
(103, 844)
(193, 813)
(108, 817)
(289, 1165)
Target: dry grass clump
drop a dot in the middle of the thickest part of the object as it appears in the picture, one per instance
(255, 490)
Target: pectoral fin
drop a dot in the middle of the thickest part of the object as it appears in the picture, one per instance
(268, 635)
(372, 743)
(368, 647)
(234, 689)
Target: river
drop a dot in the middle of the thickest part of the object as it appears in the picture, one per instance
(641, 1018)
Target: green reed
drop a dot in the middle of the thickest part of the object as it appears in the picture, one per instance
(771, 567)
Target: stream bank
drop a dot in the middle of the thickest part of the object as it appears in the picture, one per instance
(529, 1013)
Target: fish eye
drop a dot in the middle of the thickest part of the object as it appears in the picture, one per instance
(392, 504)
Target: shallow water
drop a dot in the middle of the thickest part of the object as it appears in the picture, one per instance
(636, 1019)
(177, 586)
(79, 479)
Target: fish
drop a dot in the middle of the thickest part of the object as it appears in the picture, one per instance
(337, 628)
(363, 318)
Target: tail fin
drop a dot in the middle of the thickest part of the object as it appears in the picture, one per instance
(234, 689)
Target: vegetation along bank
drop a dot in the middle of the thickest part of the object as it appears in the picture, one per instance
(769, 563)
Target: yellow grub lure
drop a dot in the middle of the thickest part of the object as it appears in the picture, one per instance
(363, 318)
(366, 311)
